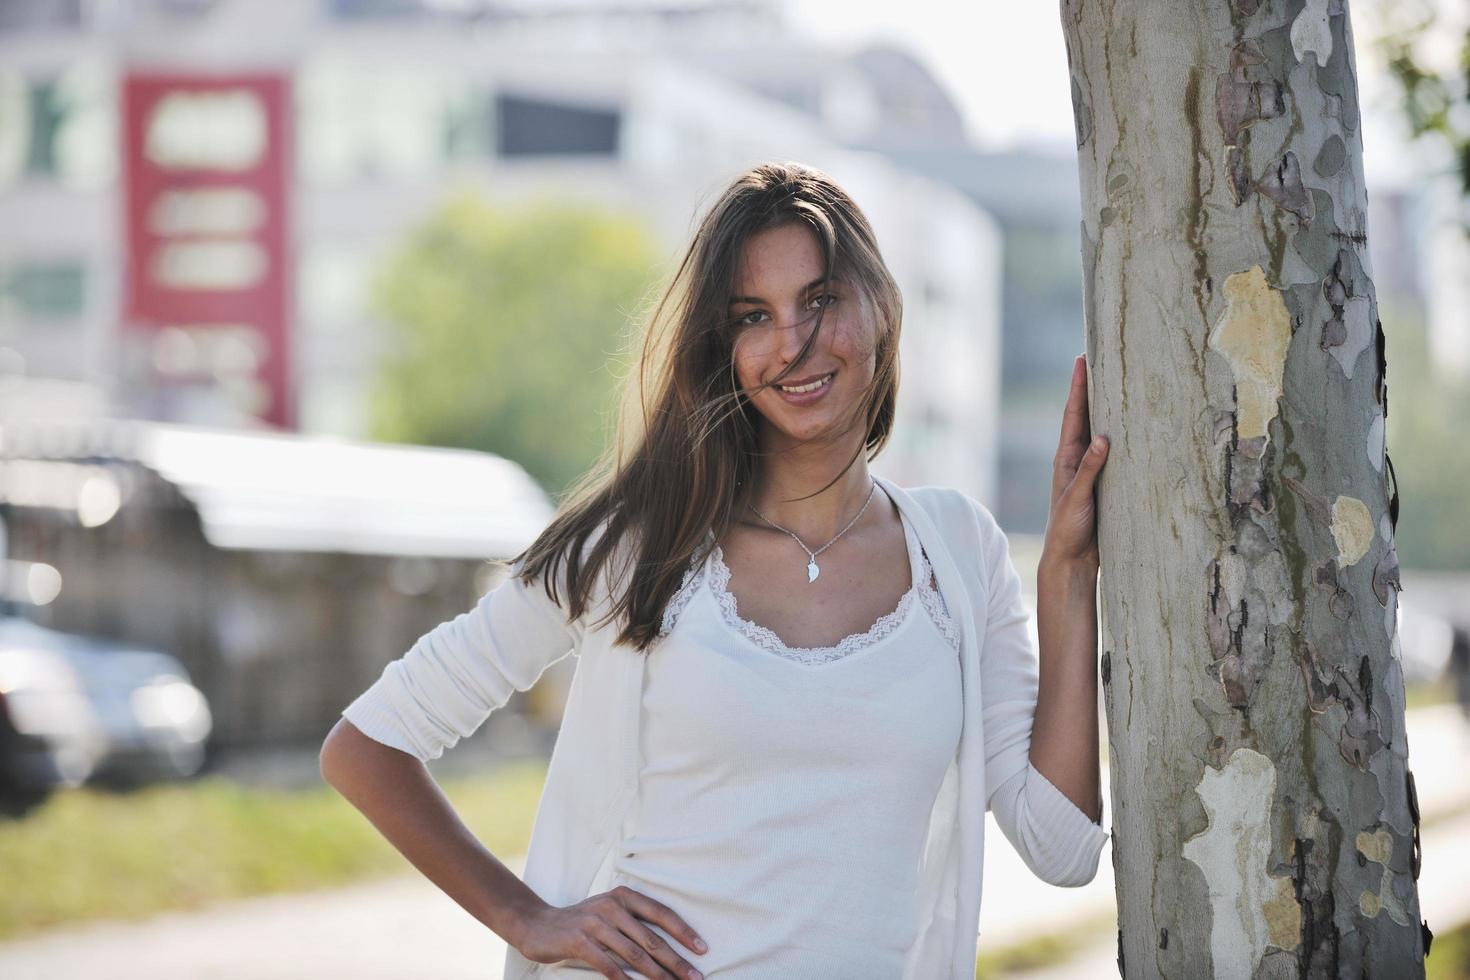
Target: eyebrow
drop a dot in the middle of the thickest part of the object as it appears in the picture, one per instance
(756, 300)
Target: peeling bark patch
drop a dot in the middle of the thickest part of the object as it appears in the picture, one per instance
(1340, 602)
(1386, 576)
(1250, 908)
(1253, 335)
(1237, 172)
(1310, 32)
(1338, 81)
(1334, 695)
(1350, 330)
(1350, 333)
(1246, 92)
(1314, 243)
(1242, 607)
(1378, 847)
(1314, 504)
(1331, 157)
(1352, 529)
(1282, 183)
(1283, 915)
(1081, 113)
(1375, 443)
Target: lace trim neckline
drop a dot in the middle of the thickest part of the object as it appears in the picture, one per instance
(767, 638)
(713, 565)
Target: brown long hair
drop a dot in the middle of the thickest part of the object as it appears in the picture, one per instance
(682, 460)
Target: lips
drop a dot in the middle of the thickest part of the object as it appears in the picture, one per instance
(808, 394)
(798, 382)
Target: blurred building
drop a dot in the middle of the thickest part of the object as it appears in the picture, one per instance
(194, 195)
(373, 110)
(282, 571)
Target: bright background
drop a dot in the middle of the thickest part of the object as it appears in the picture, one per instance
(307, 309)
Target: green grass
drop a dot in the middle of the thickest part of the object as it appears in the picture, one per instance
(1426, 694)
(87, 854)
(1049, 949)
(1449, 955)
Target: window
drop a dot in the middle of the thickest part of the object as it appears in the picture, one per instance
(59, 127)
(539, 127)
(42, 290)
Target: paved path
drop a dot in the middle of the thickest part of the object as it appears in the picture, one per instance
(400, 929)
(407, 928)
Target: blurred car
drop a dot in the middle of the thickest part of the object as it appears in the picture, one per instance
(75, 709)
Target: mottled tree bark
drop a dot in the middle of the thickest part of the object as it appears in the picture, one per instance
(1264, 822)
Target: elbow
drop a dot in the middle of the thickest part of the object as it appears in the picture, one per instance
(349, 758)
(329, 758)
(1069, 874)
(1072, 879)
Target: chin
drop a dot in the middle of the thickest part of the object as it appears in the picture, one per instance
(823, 430)
(791, 424)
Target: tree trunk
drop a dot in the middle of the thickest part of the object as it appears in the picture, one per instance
(1264, 821)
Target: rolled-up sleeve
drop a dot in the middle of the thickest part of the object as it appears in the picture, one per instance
(450, 680)
(1059, 842)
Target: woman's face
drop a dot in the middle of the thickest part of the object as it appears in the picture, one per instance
(779, 291)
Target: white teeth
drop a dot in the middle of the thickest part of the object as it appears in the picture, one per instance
(813, 386)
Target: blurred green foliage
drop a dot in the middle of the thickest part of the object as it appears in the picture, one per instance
(1436, 103)
(1428, 411)
(1043, 950)
(506, 327)
(89, 854)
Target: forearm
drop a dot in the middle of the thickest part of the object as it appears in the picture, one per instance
(1064, 735)
(397, 794)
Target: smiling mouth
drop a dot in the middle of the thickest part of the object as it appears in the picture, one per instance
(812, 385)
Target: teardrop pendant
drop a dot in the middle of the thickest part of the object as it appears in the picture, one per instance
(812, 571)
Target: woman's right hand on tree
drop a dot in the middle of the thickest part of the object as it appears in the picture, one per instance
(603, 927)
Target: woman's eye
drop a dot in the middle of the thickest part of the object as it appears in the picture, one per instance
(826, 299)
(748, 321)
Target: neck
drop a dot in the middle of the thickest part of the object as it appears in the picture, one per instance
(786, 485)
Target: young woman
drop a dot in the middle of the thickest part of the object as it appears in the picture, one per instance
(798, 686)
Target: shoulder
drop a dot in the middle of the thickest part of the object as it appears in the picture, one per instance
(956, 511)
(552, 577)
(970, 531)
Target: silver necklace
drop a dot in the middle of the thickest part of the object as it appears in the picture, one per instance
(812, 571)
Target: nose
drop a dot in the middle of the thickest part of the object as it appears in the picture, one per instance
(794, 331)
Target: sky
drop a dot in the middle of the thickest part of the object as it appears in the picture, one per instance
(1010, 79)
(1010, 82)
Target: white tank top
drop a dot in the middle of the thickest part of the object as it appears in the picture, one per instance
(784, 793)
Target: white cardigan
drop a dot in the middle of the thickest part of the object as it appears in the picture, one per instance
(456, 674)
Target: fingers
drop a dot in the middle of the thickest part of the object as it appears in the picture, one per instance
(594, 955)
(660, 914)
(646, 951)
(1076, 426)
(613, 933)
(1076, 431)
(1090, 467)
